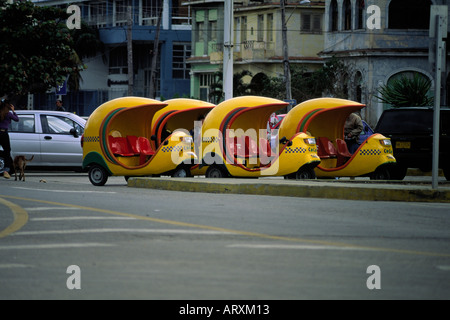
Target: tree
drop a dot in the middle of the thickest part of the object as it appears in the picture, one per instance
(407, 92)
(36, 51)
(329, 80)
(240, 87)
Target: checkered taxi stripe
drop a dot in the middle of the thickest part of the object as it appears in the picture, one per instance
(295, 150)
(370, 152)
(176, 148)
(91, 139)
(210, 139)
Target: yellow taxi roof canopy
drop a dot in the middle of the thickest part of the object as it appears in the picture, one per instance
(322, 117)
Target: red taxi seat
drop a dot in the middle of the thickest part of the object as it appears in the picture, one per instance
(342, 152)
(120, 147)
(145, 149)
(244, 147)
(325, 148)
(265, 151)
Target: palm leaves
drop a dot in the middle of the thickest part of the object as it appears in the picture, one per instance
(407, 92)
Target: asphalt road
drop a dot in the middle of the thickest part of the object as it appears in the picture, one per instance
(57, 231)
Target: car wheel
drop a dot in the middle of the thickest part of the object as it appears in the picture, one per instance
(305, 174)
(215, 172)
(380, 174)
(98, 175)
(398, 172)
(447, 173)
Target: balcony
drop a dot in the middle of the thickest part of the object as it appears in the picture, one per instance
(252, 50)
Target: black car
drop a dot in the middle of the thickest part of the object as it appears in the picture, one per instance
(411, 132)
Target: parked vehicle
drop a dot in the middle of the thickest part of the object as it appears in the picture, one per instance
(366, 132)
(52, 137)
(181, 114)
(411, 132)
(234, 142)
(117, 138)
(324, 118)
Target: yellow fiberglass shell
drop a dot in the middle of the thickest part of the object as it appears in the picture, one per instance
(321, 117)
(123, 117)
(179, 114)
(325, 117)
(248, 116)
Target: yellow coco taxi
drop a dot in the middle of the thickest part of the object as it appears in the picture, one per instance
(181, 114)
(324, 118)
(234, 142)
(116, 142)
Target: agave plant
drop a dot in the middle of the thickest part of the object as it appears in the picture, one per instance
(407, 92)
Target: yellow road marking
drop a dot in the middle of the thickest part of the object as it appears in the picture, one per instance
(20, 218)
(238, 232)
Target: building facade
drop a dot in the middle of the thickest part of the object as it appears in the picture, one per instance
(106, 76)
(379, 40)
(257, 39)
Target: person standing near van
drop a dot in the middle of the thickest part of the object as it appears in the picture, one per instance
(7, 114)
(352, 130)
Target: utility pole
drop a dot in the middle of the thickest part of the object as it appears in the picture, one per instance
(155, 57)
(438, 31)
(228, 50)
(130, 50)
(287, 71)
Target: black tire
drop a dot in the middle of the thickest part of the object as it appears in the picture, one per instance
(397, 172)
(98, 175)
(181, 172)
(380, 174)
(215, 172)
(305, 174)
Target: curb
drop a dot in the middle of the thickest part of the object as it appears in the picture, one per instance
(292, 188)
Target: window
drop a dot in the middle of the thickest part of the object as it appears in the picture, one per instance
(180, 14)
(409, 14)
(358, 86)
(150, 12)
(360, 14)
(311, 23)
(180, 69)
(200, 31)
(243, 29)
(260, 31)
(269, 27)
(121, 11)
(212, 30)
(206, 79)
(333, 16)
(26, 124)
(59, 125)
(118, 60)
(347, 10)
(97, 14)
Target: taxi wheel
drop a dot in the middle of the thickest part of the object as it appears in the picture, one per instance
(305, 173)
(98, 175)
(398, 172)
(215, 172)
(181, 172)
(380, 174)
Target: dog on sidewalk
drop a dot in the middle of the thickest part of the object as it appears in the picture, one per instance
(20, 163)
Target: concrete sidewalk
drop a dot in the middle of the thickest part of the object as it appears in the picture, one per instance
(347, 189)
